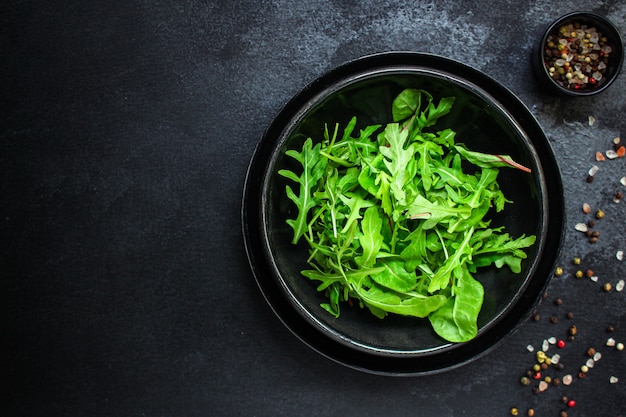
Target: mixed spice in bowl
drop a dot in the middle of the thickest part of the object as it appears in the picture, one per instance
(580, 54)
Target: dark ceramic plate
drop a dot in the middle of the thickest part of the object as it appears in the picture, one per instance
(487, 117)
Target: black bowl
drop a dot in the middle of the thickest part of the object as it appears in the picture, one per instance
(487, 117)
(543, 57)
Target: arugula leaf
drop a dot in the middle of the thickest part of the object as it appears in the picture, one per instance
(502, 250)
(312, 171)
(430, 116)
(371, 240)
(435, 212)
(456, 320)
(354, 201)
(443, 276)
(485, 160)
(416, 306)
(395, 277)
(396, 158)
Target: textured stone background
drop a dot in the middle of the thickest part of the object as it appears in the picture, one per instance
(125, 131)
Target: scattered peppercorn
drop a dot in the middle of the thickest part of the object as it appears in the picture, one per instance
(558, 301)
(610, 329)
(530, 412)
(569, 315)
(556, 381)
(579, 274)
(558, 271)
(589, 273)
(607, 287)
(599, 214)
(514, 411)
(554, 320)
(525, 381)
(560, 344)
(591, 223)
(590, 352)
(586, 208)
(564, 399)
(619, 346)
(576, 261)
(563, 414)
(593, 240)
(571, 403)
(573, 330)
(582, 375)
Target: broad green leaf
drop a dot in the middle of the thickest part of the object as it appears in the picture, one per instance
(456, 321)
(371, 240)
(395, 277)
(416, 306)
(485, 160)
(407, 103)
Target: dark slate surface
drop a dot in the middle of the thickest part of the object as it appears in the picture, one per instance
(125, 131)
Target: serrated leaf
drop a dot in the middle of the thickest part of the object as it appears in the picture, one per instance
(313, 168)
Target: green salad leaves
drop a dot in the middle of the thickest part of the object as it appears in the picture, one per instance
(394, 222)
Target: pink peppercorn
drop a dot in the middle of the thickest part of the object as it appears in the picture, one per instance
(561, 343)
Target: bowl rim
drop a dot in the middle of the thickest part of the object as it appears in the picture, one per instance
(583, 15)
(400, 364)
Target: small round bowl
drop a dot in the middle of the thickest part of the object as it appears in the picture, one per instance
(487, 117)
(567, 66)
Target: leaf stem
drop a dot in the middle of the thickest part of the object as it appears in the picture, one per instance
(513, 163)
